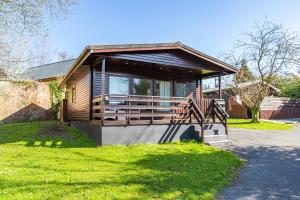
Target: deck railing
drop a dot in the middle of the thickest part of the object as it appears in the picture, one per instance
(137, 110)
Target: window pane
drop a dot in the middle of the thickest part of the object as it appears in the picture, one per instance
(163, 88)
(118, 85)
(142, 86)
(181, 89)
(73, 94)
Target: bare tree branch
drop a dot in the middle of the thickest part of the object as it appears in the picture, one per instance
(268, 50)
(22, 22)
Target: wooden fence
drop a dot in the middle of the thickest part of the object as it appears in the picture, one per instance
(280, 108)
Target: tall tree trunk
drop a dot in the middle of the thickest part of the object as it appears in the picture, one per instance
(255, 114)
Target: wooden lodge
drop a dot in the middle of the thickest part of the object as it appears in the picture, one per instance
(144, 93)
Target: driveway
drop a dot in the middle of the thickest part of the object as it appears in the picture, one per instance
(273, 164)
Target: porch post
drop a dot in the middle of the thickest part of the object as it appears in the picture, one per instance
(201, 88)
(220, 88)
(92, 90)
(197, 91)
(103, 78)
(103, 90)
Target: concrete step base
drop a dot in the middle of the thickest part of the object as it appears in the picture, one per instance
(216, 143)
(215, 138)
(210, 132)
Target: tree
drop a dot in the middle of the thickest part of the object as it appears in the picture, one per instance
(63, 55)
(244, 74)
(56, 96)
(268, 50)
(289, 86)
(22, 22)
(43, 52)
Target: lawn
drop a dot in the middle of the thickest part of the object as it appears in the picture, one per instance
(263, 125)
(43, 160)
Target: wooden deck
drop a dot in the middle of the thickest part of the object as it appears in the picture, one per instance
(125, 110)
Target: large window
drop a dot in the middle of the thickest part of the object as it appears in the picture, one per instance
(181, 89)
(118, 85)
(142, 86)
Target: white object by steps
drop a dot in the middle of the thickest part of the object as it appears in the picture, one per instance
(214, 134)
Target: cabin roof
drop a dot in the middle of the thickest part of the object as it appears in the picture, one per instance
(48, 71)
(154, 46)
(126, 48)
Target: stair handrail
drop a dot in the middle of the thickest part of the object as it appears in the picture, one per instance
(198, 115)
(219, 107)
(220, 111)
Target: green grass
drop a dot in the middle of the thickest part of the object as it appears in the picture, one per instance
(263, 125)
(36, 164)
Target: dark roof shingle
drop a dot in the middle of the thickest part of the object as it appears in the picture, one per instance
(51, 70)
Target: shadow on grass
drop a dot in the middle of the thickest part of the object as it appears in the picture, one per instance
(44, 134)
(176, 175)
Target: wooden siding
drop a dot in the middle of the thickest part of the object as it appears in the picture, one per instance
(175, 59)
(80, 109)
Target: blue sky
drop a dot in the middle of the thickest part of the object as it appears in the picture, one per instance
(211, 26)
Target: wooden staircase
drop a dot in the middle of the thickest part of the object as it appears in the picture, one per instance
(214, 134)
(213, 127)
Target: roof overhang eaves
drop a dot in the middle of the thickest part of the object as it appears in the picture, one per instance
(143, 47)
(130, 48)
(208, 58)
(164, 46)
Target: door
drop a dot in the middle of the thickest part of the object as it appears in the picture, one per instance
(163, 89)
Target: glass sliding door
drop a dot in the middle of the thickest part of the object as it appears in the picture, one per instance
(163, 89)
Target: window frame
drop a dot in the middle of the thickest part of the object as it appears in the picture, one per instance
(73, 94)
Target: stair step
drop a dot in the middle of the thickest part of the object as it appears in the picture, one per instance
(211, 132)
(215, 143)
(214, 127)
(215, 138)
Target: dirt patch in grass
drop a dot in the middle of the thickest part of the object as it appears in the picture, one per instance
(54, 130)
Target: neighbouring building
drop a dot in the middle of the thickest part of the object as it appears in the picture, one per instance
(234, 105)
(23, 100)
(48, 72)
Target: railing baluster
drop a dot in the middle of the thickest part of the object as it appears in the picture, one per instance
(152, 110)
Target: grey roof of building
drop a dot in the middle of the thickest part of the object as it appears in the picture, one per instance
(51, 70)
(241, 85)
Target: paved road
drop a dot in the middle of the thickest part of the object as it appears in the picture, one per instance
(273, 164)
